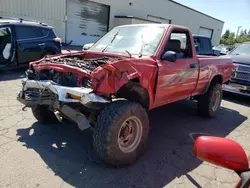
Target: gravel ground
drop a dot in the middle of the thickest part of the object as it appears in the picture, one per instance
(35, 155)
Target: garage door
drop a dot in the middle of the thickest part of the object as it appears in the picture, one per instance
(86, 21)
(206, 32)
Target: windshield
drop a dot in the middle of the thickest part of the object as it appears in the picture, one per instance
(137, 40)
(243, 49)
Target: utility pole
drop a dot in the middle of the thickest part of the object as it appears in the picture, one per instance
(237, 32)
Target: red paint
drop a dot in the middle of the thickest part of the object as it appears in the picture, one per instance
(222, 152)
(152, 72)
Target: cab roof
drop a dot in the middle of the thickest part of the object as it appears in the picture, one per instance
(20, 21)
(154, 25)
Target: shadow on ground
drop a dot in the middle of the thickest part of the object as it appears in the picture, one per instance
(69, 153)
(12, 74)
(236, 98)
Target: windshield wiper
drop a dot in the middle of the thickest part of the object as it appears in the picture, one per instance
(128, 53)
(111, 41)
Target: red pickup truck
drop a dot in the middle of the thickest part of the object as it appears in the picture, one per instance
(110, 87)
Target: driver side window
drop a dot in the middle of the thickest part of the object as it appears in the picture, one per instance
(179, 42)
(5, 43)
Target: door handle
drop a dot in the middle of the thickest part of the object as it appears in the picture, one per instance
(42, 44)
(193, 65)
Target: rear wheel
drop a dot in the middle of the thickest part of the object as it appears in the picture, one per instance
(209, 103)
(43, 114)
(121, 133)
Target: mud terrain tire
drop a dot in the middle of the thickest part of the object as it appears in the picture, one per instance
(43, 114)
(113, 122)
(209, 103)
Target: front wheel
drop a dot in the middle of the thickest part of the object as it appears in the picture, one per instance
(121, 133)
(209, 103)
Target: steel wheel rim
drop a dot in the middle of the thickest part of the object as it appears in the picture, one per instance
(130, 134)
(216, 100)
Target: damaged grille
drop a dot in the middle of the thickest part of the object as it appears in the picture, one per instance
(38, 94)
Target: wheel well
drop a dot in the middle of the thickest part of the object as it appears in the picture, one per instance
(217, 79)
(133, 91)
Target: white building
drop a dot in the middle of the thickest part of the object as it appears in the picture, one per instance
(84, 21)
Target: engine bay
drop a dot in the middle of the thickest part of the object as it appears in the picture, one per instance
(79, 61)
(69, 79)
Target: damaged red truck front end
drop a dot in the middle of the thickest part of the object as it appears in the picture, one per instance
(90, 78)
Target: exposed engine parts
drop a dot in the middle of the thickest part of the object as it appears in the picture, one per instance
(69, 78)
(87, 64)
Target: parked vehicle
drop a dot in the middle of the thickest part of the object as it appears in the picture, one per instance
(109, 88)
(225, 153)
(23, 41)
(240, 80)
(203, 45)
(223, 49)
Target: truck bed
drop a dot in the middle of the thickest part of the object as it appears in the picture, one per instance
(212, 65)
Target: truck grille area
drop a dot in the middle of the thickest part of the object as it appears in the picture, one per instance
(242, 76)
(242, 72)
(61, 78)
(244, 68)
(35, 94)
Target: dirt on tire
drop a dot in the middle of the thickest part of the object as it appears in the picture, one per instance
(205, 101)
(105, 136)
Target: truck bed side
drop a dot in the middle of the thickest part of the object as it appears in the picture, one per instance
(210, 68)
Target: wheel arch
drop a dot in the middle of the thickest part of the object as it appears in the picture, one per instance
(216, 79)
(134, 91)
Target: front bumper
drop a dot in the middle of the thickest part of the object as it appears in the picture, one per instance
(43, 92)
(237, 88)
(57, 97)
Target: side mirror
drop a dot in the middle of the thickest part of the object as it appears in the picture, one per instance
(222, 152)
(169, 56)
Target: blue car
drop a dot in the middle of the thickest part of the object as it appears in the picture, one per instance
(23, 41)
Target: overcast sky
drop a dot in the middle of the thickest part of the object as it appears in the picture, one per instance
(233, 12)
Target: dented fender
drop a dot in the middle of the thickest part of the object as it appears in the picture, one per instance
(109, 78)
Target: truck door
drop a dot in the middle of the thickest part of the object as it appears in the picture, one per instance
(6, 45)
(177, 80)
(30, 43)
